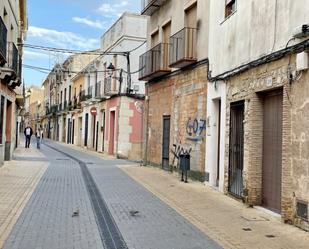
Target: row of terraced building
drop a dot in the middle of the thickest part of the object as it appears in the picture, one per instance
(223, 80)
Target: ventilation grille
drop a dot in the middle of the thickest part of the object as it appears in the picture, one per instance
(302, 210)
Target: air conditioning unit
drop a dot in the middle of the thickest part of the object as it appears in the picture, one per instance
(301, 31)
(302, 61)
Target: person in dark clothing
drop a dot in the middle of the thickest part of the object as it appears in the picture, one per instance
(28, 133)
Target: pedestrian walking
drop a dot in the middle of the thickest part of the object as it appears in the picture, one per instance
(38, 135)
(28, 133)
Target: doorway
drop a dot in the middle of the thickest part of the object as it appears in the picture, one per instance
(218, 141)
(86, 130)
(93, 130)
(272, 151)
(236, 149)
(166, 142)
(73, 130)
(111, 133)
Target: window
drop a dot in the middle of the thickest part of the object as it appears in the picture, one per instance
(154, 38)
(230, 7)
(191, 16)
(70, 90)
(1, 118)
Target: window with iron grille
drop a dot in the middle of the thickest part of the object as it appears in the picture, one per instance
(302, 210)
(230, 7)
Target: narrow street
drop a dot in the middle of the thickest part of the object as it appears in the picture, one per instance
(83, 201)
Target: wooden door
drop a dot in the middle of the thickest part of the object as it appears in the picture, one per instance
(272, 151)
(166, 142)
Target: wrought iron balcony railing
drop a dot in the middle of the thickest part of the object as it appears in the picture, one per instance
(110, 86)
(150, 6)
(12, 57)
(98, 92)
(89, 92)
(3, 42)
(154, 63)
(183, 48)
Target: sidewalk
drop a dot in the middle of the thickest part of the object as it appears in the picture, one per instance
(225, 220)
(18, 180)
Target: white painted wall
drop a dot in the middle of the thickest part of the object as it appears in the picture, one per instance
(174, 10)
(256, 28)
(11, 19)
(216, 91)
(126, 34)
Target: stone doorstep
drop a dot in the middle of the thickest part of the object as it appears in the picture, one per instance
(240, 215)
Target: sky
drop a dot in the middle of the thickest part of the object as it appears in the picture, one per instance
(68, 24)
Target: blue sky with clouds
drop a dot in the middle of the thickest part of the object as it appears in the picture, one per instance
(71, 24)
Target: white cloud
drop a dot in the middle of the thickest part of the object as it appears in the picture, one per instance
(116, 8)
(62, 39)
(94, 24)
(32, 55)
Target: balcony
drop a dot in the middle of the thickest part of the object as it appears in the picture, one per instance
(110, 87)
(76, 102)
(98, 92)
(12, 58)
(89, 92)
(154, 63)
(183, 48)
(84, 96)
(60, 107)
(150, 6)
(3, 42)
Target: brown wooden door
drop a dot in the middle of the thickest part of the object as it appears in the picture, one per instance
(166, 142)
(272, 151)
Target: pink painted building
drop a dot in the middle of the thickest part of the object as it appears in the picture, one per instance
(123, 130)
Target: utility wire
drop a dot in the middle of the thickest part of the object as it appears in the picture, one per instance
(72, 51)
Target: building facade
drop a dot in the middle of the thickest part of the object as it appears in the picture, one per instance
(13, 26)
(113, 97)
(258, 86)
(175, 68)
(98, 103)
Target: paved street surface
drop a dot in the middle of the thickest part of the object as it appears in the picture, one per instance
(83, 201)
(228, 221)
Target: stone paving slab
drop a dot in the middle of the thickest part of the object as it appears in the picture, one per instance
(225, 220)
(18, 179)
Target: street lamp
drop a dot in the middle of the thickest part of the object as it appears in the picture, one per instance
(110, 70)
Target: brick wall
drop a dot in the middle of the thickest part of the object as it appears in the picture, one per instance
(295, 137)
(183, 98)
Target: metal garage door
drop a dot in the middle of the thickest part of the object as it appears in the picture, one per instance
(272, 151)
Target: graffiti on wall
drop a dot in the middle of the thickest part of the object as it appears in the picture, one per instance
(195, 129)
(177, 150)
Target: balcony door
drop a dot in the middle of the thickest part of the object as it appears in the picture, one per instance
(166, 38)
(191, 23)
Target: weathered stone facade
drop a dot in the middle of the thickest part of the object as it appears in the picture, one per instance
(182, 97)
(249, 86)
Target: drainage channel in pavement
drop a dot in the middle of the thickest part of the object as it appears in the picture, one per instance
(109, 231)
